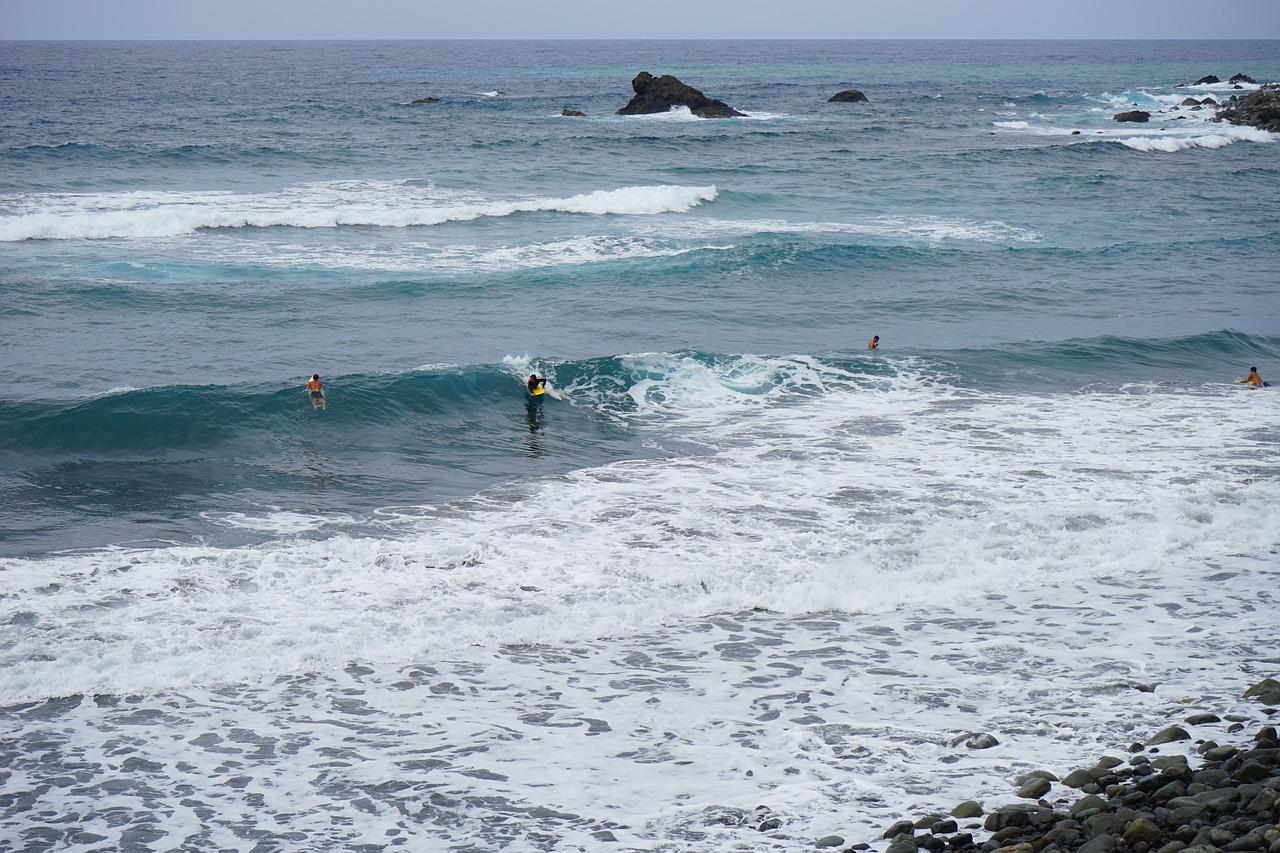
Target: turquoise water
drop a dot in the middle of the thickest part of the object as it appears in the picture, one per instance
(189, 230)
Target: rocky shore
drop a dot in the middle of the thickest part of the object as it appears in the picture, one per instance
(1260, 109)
(1225, 801)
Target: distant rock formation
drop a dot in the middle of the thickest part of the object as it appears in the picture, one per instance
(660, 94)
(1242, 78)
(427, 100)
(568, 112)
(1260, 109)
(1204, 81)
(848, 96)
(1133, 115)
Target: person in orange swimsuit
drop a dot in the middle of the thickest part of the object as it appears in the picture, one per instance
(316, 387)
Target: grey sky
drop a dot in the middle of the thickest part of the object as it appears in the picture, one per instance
(610, 19)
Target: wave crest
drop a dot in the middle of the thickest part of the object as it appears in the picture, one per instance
(65, 216)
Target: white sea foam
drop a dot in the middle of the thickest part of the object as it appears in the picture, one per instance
(891, 228)
(416, 257)
(857, 494)
(833, 723)
(70, 216)
(1224, 135)
(936, 562)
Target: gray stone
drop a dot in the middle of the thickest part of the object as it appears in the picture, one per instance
(1141, 830)
(1086, 803)
(969, 808)
(1266, 685)
(1169, 735)
(829, 841)
(1077, 778)
(1101, 844)
(1104, 823)
(1034, 789)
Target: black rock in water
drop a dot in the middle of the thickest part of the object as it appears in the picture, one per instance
(848, 96)
(660, 94)
(1133, 115)
(1212, 78)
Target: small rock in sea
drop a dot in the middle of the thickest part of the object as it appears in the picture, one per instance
(427, 100)
(1209, 80)
(969, 808)
(848, 96)
(902, 827)
(567, 112)
(1242, 78)
(829, 841)
(902, 845)
(769, 825)
(976, 740)
(1133, 115)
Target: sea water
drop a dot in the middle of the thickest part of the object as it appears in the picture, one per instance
(735, 568)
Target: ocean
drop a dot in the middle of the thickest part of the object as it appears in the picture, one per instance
(737, 582)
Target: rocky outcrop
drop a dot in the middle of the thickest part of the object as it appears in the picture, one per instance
(1205, 81)
(1133, 115)
(1242, 78)
(426, 100)
(568, 112)
(660, 94)
(1260, 109)
(1228, 802)
(848, 96)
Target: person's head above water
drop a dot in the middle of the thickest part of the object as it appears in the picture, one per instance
(315, 376)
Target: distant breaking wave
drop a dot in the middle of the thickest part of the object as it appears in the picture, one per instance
(67, 216)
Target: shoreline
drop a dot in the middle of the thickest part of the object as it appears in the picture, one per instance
(1151, 802)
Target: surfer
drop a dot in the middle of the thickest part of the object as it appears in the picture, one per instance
(536, 383)
(874, 342)
(316, 387)
(1253, 378)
